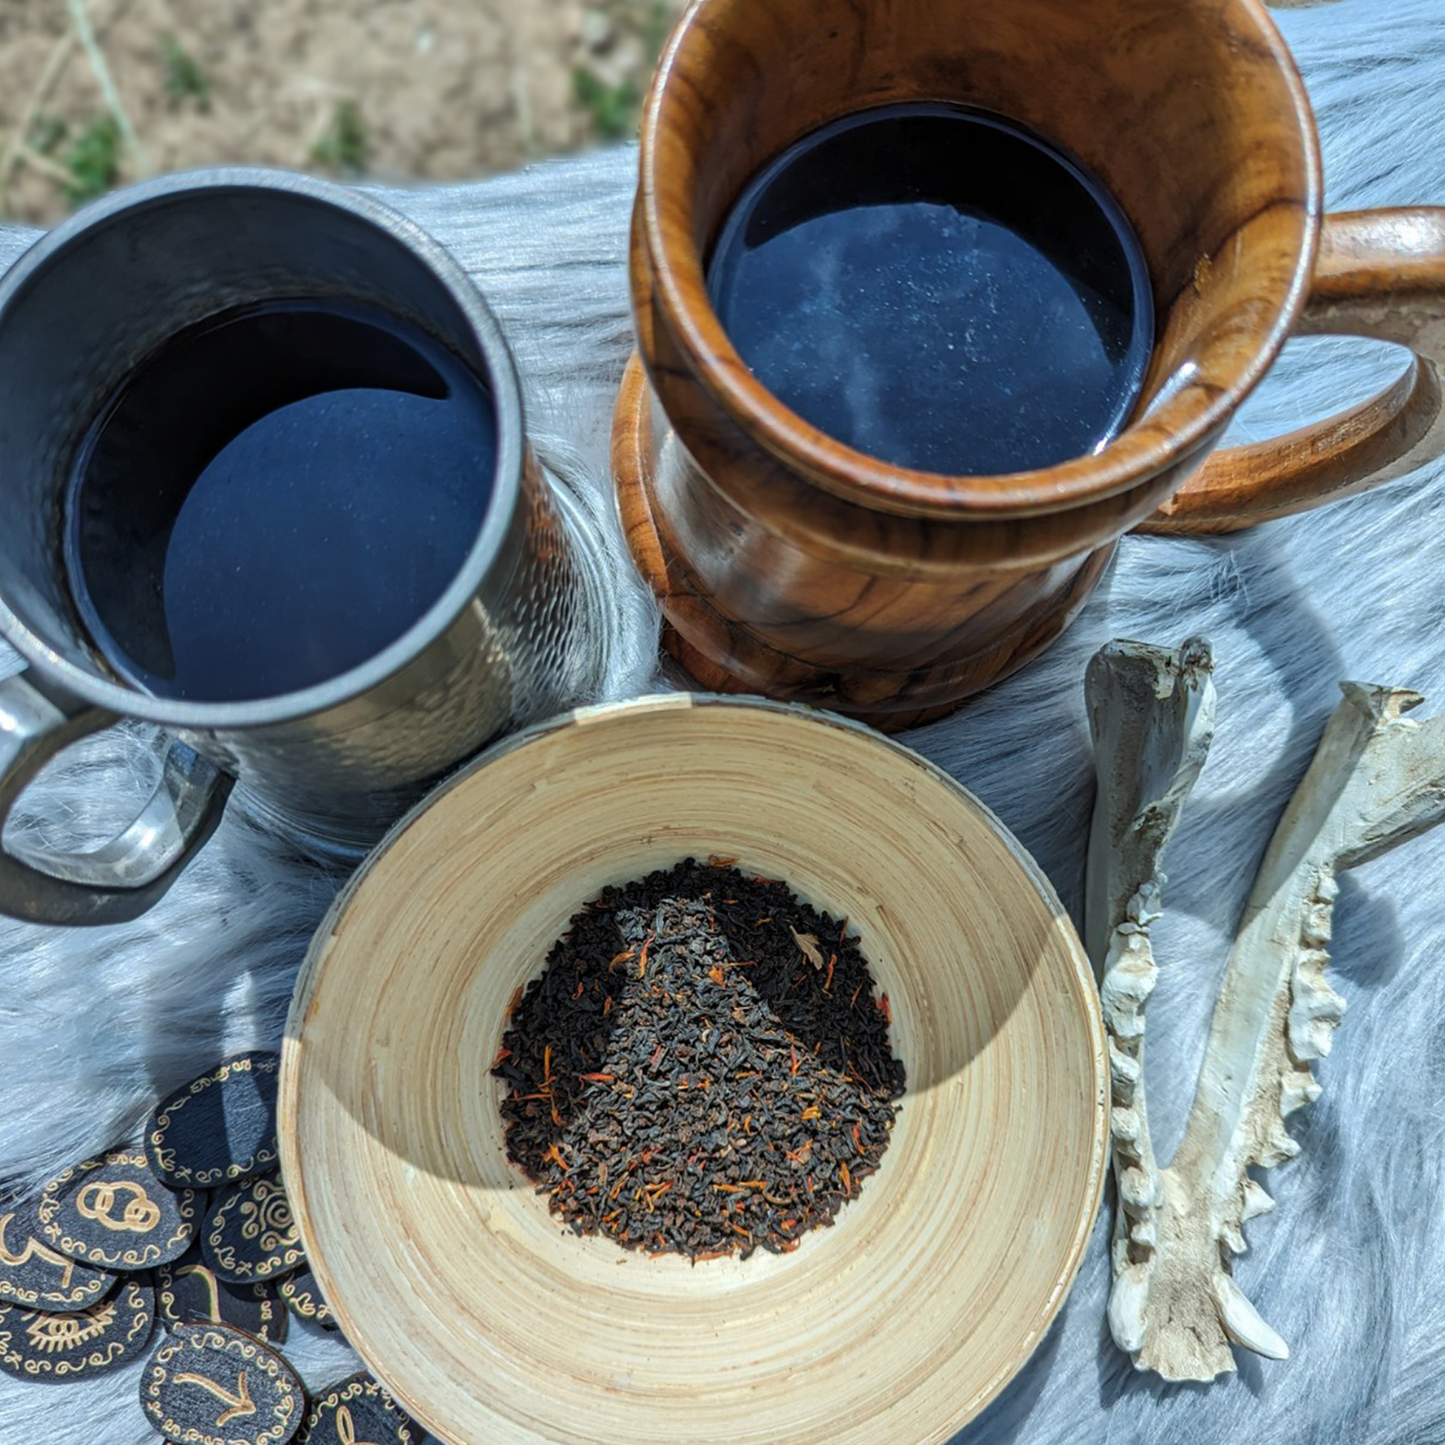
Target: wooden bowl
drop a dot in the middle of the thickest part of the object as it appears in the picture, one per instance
(494, 1326)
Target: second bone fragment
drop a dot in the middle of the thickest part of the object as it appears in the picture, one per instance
(1377, 779)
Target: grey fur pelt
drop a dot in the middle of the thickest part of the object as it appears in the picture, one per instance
(1351, 1268)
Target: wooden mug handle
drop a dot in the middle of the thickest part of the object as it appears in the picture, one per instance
(1380, 274)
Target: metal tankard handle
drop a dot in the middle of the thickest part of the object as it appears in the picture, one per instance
(121, 879)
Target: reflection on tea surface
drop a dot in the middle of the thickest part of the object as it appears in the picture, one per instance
(275, 497)
(939, 289)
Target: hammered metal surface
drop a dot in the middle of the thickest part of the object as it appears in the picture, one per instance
(532, 643)
(531, 640)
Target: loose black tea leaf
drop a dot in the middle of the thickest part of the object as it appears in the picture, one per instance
(683, 1077)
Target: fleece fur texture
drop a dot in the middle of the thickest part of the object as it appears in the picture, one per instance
(1351, 1268)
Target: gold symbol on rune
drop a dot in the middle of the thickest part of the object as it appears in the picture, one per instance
(138, 1216)
(240, 1403)
(52, 1334)
(213, 1290)
(345, 1429)
(34, 1250)
(269, 1215)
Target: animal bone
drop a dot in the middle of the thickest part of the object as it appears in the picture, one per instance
(1151, 713)
(1377, 779)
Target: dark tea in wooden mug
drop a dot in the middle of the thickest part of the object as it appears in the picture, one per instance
(940, 289)
(935, 301)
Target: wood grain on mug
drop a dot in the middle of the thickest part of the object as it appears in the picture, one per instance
(1380, 274)
(788, 563)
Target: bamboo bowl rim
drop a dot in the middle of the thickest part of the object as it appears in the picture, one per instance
(495, 1326)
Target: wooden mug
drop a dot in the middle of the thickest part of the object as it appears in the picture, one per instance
(791, 565)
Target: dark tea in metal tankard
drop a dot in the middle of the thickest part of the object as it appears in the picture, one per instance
(266, 486)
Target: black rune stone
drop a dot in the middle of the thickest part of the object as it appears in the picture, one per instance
(251, 1234)
(304, 1299)
(114, 1213)
(356, 1410)
(190, 1292)
(58, 1348)
(34, 1275)
(220, 1127)
(212, 1385)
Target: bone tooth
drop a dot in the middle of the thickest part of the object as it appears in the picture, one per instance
(1315, 1012)
(1295, 1091)
(1128, 947)
(1124, 1125)
(1242, 1322)
(1138, 1189)
(1309, 968)
(1278, 1148)
(1312, 995)
(1318, 1040)
(1124, 1023)
(1318, 926)
(1232, 1236)
(1131, 973)
(1147, 904)
(1127, 1301)
(1124, 1067)
(1256, 1201)
(1318, 999)
(1125, 993)
(1287, 1144)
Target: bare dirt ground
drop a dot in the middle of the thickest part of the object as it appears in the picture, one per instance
(430, 89)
